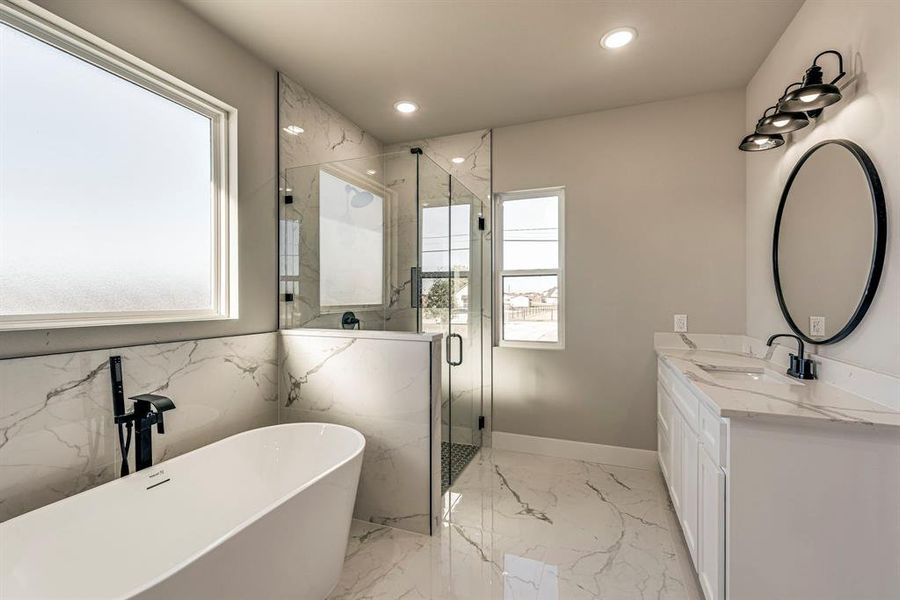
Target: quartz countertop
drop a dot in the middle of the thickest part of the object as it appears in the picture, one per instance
(808, 400)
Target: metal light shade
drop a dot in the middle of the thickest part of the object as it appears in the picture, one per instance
(814, 95)
(810, 97)
(756, 142)
(782, 122)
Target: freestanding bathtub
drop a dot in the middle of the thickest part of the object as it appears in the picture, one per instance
(260, 515)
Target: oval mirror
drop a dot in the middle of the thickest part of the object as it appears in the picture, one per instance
(829, 243)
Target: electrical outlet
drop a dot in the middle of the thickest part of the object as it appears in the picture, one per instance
(680, 323)
(817, 327)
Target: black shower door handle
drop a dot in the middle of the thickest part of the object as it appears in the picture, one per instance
(449, 359)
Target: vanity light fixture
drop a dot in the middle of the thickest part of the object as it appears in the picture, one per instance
(782, 122)
(621, 36)
(458, 160)
(293, 129)
(405, 106)
(795, 107)
(814, 95)
(757, 141)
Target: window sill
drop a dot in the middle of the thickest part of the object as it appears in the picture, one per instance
(107, 320)
(533, 345)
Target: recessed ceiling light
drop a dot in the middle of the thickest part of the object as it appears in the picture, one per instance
(621, 36)
(371, 172)
(405, 106)
(458, 160)
(293, 129)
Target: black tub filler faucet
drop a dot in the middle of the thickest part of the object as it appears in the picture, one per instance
(147, 411)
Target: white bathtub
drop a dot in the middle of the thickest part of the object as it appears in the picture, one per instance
(260, 515)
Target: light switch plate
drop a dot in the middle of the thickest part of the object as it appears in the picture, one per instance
(680, 323)
(817, 326)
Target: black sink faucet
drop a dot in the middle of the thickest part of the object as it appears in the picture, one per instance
(801, 368)
(148, 411)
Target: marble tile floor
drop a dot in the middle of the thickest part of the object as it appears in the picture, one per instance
(521, 526)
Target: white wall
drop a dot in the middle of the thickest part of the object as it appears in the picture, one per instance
(654, 226)
(867, 33)
(172, 38)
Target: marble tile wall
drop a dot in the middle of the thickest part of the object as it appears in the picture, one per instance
(380, 383)
(57, 436)
(327, 134)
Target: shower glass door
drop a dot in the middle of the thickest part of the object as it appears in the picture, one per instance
(464, 331)
(451, 263)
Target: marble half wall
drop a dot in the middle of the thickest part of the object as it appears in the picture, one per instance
(57, 436)
(382, 384)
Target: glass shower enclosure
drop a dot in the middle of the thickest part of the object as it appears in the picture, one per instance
(392, 242)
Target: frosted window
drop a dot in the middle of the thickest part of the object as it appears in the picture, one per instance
(531, 233)
(351, 244)
(106, 193)
(289, 247)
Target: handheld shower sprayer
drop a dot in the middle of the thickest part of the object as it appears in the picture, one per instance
(120, 417)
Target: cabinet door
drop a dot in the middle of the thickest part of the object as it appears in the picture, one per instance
(689, 493)
(675, 485)
(664, 433)
(711, 541)
(664, 446)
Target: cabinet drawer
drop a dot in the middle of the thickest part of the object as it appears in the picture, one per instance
(712, 434)
(686, 402)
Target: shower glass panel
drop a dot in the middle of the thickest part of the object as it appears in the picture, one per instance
(347, 244)
(391, 242)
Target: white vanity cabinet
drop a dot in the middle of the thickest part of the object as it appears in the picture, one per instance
(774, 499)
(690, 441)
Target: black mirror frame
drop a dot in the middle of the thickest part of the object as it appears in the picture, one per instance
(878, 252)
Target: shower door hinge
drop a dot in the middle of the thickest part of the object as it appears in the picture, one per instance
(481, 422)
(288, 199)
(288, 297)
(481, 223)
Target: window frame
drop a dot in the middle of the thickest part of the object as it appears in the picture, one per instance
(59, 33)
(499, 272)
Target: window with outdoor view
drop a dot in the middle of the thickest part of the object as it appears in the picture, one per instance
(530, 281)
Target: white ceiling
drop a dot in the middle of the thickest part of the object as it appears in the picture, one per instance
(473, 64)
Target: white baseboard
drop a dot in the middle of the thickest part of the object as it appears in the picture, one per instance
(598, 453)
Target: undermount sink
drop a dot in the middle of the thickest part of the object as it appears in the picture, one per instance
(745, 375)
